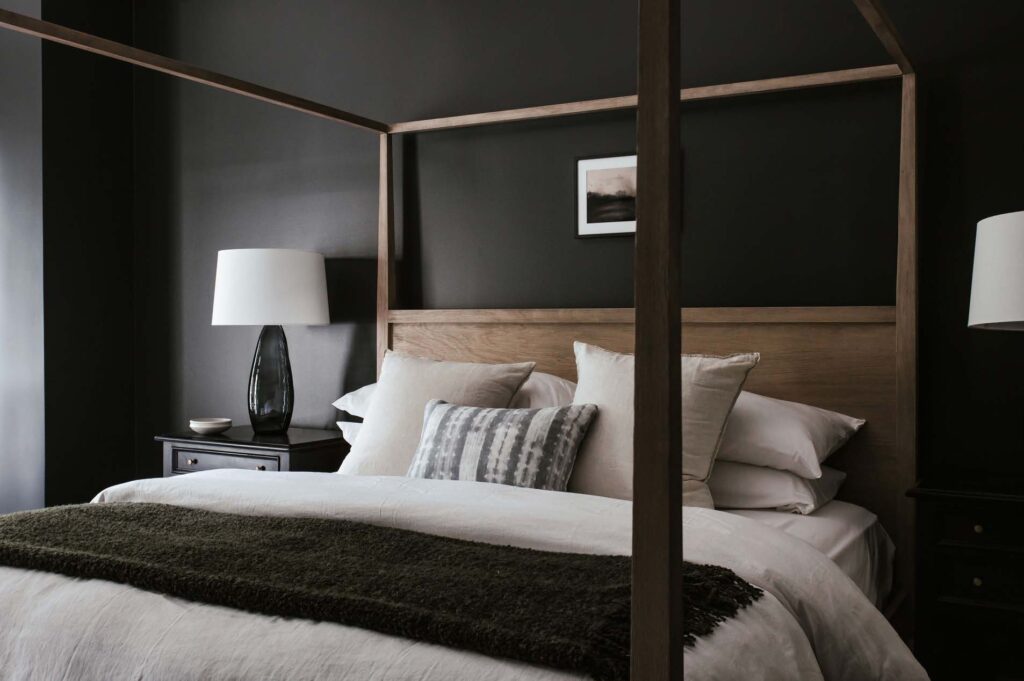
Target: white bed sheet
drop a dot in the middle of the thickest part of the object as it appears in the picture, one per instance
(849, 534)
(811, 623)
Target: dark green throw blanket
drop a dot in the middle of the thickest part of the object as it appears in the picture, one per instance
(562, 610)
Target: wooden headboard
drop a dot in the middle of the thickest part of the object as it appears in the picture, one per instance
(840, 358)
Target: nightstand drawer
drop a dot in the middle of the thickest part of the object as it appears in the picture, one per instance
(993, 580)
(970, 581)
(190, 461)
(300, 449)
(980, 526)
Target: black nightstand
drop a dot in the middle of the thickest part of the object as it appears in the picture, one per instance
(970, 582)
(300, 449)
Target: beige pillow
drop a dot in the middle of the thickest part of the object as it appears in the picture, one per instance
(604, 465)
(394, 419)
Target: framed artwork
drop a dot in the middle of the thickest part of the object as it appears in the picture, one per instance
(606, 196)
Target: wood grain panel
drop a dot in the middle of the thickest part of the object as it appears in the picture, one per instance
(625, 315)
(824, 364)
(748, 87)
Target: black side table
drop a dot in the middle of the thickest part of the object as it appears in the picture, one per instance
(300, 449)
(970, 581)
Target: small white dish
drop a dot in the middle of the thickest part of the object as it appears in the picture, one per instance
(209, 426)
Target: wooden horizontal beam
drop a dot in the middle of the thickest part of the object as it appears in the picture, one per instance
(155, 62)
(878, 19)
(787, 83)
(508, 115)
(625, 315)
(749, 87)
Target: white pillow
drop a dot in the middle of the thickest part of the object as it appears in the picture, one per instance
(349, 430)
(542, 391)
(394, 419)
(356, 402)
(739, 485)
(790, 436)
(604, 465)
(539, 392)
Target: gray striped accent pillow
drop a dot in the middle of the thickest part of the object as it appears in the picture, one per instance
(522, 447)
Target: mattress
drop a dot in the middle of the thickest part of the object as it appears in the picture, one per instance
(848, 534)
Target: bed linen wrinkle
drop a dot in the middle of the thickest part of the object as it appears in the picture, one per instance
(79, 643)
(162, 637)
(752, 669)
(812, 622)
(850, 535)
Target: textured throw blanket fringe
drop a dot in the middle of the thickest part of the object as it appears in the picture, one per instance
(562, 610)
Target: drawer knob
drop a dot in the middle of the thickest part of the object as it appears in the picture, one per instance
(192, 462)
(977, 581)
(261, 468)
(979, 529)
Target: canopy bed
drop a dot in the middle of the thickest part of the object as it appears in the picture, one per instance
(858, 360)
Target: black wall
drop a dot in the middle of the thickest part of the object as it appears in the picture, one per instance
(788, 199)
(971, 395)
(88, 256)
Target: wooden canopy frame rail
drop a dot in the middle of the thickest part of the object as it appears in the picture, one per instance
(657, 641)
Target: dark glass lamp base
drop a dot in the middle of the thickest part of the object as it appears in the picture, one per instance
(271, 394)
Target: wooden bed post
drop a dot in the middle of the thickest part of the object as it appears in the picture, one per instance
(906, 329)
(657, 641)
(385, 249)
(906, 300)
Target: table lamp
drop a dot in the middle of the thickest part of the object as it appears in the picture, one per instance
(997, 290)
(270, 287)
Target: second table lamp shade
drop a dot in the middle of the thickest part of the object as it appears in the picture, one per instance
(997, 289)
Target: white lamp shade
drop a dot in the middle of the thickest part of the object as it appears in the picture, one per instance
(997, 291)
(270, 286)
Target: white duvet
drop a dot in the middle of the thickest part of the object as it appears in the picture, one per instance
(812, 623)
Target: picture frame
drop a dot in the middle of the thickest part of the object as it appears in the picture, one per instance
(605, 196)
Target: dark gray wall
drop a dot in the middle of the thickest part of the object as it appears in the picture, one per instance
(774, 207)
(788, 199)
(21, 269)
(482, 207)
